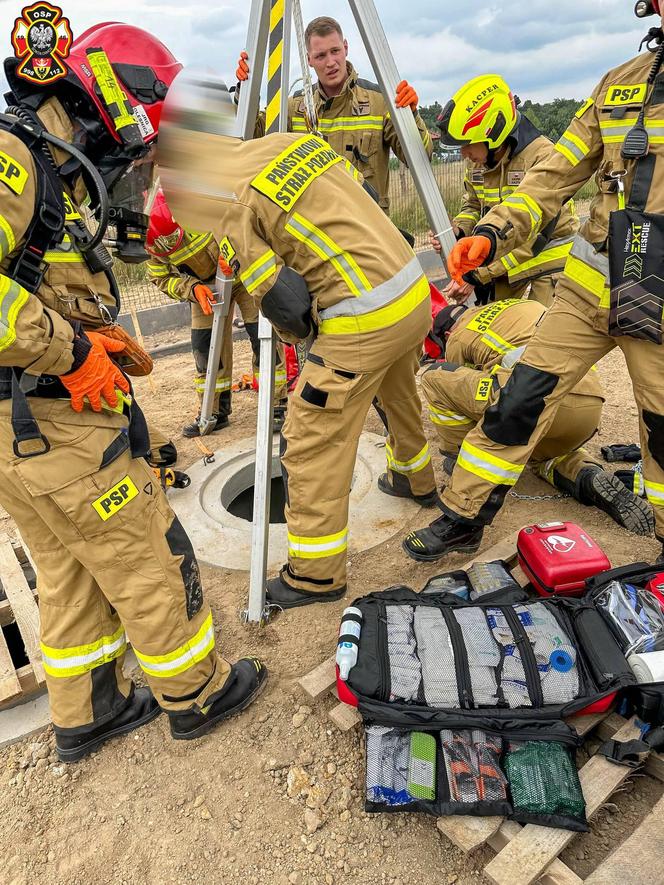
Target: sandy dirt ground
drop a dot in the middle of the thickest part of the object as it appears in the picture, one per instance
(274, 796)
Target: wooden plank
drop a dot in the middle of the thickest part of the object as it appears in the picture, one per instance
(557, 873)
(320, 680)
(344, 717)
(505, 549)
(468, 833)
(23, 605)
(29, 688)
(654, 764)
(639, 858)
(529, 854)
(9, 684)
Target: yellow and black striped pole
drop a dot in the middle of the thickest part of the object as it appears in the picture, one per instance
(276, 114)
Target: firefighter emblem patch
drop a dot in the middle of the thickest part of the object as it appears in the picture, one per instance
(41, 39)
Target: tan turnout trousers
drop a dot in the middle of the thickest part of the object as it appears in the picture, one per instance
(458, 399)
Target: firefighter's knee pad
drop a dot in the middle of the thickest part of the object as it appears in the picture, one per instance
(513, 418)
(655, 425)
(442, 366)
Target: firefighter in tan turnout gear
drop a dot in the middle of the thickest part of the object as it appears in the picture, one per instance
(352, 276)
(183, 265)
(610, 294)
(480, 346)
(353, 116)
(113, 563)
(500, 146)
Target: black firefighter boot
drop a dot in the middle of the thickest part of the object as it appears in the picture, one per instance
(442, 537)
(141, 708)
(192, 430)
(595, 487)
(245, 682)
(282, 595)
(400, 488)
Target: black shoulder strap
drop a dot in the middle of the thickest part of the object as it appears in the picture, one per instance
(48, 221)
(638, 195)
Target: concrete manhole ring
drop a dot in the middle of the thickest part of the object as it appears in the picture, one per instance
(224, 540)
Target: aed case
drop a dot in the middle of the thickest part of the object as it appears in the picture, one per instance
(557, 557)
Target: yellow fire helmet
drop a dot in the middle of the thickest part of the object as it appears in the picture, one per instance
(482, 110)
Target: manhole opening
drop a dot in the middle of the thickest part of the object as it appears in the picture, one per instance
(237, 495)
(15, 645)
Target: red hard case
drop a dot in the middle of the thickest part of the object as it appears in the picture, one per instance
(557, 557)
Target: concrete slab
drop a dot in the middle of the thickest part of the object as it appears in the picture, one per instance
(25, 720)
(223, 540)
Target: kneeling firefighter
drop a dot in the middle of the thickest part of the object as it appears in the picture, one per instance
(481, 345)
(183, 265)
(500, 145)
(113, 562)
(610, 294)
(351, 275)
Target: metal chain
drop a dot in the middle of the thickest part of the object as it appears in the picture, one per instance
(559, 497)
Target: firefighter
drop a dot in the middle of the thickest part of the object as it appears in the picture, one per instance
(500, 145)
(353, 116)
(480, 347)
(598, 304)
(183, 265)
(113, 562)
(349, 276)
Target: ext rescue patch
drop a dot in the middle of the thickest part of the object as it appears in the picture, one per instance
(619, 94)
(115, 498)
(12, 173)
(287, 177)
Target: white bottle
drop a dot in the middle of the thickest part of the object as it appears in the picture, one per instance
(349, 637)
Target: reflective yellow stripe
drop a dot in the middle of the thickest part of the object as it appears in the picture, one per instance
(572, 147)
(556, 253)
(496, 342)
(447, 419)
(470, 216)
(654, 492)
(327, 250)
(12, 299)
(488, 467)
(413, 465)
(523, 203)
(590, 279)
(65, 252)
(79, 659)
(317, 548)
(158, 270)
(341, 124)
(199, 242)
(381, 318)
(182, 658)
(7, 238)
(351, 170)
(260, 270)
(614, 131)
(220, 384)
(172, 287)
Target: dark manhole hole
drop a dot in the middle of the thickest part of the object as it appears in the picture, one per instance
(242, 505)
(15, 645)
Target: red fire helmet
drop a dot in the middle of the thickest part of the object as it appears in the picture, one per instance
(163, 225)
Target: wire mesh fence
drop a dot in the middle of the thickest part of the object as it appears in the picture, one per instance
(405, 211)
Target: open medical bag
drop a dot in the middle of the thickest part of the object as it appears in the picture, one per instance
(463, 702)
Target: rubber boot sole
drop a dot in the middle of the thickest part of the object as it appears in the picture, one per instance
(430, 557)
(310, 599)
(423, 500)
(209, 724)
(615, 499)
(77, 753)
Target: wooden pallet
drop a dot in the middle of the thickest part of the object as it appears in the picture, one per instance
(528, 854)
(18, 606)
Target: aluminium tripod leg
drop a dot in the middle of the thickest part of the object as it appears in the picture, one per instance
(220, 312)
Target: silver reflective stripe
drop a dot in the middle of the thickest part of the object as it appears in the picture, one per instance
(582, 250)
(572, 147)
(270, 263)
(331, 253)
(378, 297)
(489, 466)
(512, 357)
(497, 343)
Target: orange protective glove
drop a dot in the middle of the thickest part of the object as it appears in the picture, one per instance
(466, 255)
(225, 267)
(205, 298)
(96, 374)
(242, 72)
(406, 96)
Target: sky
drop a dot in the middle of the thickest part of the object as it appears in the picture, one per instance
(545, 49)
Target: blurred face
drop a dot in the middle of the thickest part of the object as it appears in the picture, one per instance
(476, 153)
(327, 56)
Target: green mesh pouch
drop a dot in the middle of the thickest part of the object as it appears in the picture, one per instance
(544, 785)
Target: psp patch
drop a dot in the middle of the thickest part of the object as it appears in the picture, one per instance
(12, 173)
(483, 390)
(112, 501)
(620, 94)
